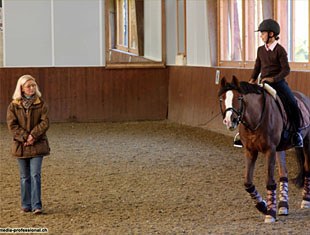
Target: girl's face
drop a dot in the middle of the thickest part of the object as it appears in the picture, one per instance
(264, 36)
(29, 88)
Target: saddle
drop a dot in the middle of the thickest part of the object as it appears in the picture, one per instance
(304, 120)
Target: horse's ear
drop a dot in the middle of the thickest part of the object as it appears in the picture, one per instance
(235, 81)
(223, 82)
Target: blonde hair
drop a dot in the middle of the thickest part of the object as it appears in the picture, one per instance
(21, 81)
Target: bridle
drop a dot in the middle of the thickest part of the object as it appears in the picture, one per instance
(240, 112)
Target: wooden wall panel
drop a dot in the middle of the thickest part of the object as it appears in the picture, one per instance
(193, 94)
(94, 93)
(300, 81)
(183, 94)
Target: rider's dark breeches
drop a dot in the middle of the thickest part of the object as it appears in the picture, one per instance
(290, 103)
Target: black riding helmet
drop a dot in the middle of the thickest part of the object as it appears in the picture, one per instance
(269, 25)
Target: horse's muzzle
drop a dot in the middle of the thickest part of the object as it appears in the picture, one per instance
(230, 124)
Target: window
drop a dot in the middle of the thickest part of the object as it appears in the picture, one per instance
(231, 30)
(295, 30)
(1, 35)
(129, 19)
(252, 39)
(238, 20)
(181, 27)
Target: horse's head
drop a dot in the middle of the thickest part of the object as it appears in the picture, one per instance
(231, 103)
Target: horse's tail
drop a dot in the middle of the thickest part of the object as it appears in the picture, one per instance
(300, 178)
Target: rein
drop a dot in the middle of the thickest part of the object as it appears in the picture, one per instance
(261, 117)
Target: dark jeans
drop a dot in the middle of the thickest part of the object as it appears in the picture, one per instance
(289, 102)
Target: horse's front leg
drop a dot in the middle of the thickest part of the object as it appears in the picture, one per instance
(250, 159)
(271, 187)
(283, 195)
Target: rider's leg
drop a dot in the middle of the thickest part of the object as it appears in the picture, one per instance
(290, 101)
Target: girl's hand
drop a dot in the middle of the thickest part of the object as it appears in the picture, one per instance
(30, 141)
(268, 79)
(252, 81)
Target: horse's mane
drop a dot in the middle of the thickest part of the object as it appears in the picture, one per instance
(243, 88)
(247, 88)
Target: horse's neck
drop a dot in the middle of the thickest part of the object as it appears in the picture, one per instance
(258, 109)
(253, 105)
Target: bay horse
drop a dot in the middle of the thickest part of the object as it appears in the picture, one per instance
(263, 127)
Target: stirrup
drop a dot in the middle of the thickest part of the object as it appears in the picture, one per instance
(298, 140)
(237, 141)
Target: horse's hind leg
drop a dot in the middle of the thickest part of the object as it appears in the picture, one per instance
(306, 190)
(305, 204)
(283, 193)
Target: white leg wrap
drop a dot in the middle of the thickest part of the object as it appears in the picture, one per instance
(283, 197)
(305, 204)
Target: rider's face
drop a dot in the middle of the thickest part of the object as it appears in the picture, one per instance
(264, 36)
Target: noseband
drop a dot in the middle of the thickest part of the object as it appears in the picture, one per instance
(240, 112)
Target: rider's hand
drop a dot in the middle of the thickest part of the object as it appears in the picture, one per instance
(252, 81)
(268, 80)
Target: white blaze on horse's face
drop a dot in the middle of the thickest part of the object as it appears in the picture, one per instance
(228, 104)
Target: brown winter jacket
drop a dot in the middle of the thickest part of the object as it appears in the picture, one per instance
(21, 124)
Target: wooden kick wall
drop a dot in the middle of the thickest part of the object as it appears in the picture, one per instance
(193, 94)
(93, 94)
(182, 94)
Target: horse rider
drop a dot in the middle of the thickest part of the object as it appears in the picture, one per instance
(272, 63)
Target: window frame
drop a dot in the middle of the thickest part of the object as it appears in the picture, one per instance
(244, 63)
(181, 22)
(293, 64)
(119, 40)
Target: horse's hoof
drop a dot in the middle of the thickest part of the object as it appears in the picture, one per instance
(283, 211)
(283, 208)
(269, 219)
(305, 204)
(262, 207)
